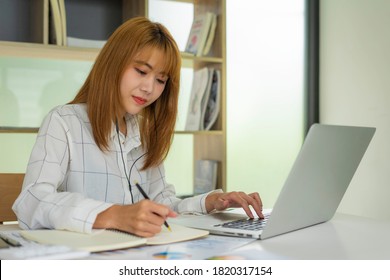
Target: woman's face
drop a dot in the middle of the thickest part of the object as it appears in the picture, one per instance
(143, 81)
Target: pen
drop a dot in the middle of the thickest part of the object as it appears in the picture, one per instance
(147, 197)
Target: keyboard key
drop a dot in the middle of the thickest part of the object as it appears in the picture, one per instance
(246, 224)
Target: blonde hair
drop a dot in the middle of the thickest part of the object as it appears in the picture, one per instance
(101, 91)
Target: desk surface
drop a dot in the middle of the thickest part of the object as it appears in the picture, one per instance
(343, 237)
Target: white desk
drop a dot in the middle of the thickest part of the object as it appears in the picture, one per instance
(345, 237)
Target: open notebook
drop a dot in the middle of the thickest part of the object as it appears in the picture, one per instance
(105, 240)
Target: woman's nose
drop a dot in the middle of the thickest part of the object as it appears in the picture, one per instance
(147, 84)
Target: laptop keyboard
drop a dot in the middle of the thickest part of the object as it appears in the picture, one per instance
(246, 224)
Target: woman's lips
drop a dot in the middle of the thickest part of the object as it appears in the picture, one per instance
(139, 100)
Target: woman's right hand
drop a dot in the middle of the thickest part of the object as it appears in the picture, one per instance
(144, 218)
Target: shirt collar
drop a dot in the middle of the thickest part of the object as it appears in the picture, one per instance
(133, 137)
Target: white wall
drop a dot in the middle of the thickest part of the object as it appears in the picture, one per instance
(355, 90)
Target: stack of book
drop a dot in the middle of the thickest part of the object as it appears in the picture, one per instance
(202, 34)
(204, 102)
(58, 29)
(57, 23)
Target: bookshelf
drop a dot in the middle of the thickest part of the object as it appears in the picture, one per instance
(29, 37)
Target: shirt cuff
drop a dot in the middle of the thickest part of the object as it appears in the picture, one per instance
(196, 204)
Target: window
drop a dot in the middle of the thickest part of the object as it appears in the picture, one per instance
(266, 93)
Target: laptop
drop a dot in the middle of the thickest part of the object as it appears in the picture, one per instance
(312, 191)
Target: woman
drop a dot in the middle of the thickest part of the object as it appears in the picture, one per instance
(116, 131)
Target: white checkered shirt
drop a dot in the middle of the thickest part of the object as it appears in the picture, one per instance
(69, 180)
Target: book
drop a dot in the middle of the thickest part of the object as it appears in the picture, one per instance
(204, 104)
(210, 36)
(205, 179)
(200, 30)
(205, 98)
(107, 240)
(212, 106)
(61, 5)
(200, 85)
(55, 23)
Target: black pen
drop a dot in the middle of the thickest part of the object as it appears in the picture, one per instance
(147, 197)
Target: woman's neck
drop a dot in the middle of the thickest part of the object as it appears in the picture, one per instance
(123, 126)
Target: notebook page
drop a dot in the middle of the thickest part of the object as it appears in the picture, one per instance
(178, 234)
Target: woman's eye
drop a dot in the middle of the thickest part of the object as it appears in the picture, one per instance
(163, 82)
(140, 71)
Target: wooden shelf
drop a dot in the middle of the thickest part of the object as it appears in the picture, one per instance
(17, 49)
(13, 129)
(201, 132)
(6, 129)
(207, 144)
(46, 51)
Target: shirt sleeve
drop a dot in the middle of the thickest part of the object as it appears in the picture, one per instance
(162, 192)
(40, 203)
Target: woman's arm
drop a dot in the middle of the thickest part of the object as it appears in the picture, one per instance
(41, 204)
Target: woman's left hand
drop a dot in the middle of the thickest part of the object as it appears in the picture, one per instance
(222, 201)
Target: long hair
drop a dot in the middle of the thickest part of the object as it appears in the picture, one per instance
(101, 90)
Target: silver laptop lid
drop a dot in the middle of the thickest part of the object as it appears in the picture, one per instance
(319, 177)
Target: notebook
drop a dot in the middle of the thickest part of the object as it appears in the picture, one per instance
(312, 191)
(105, 240)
